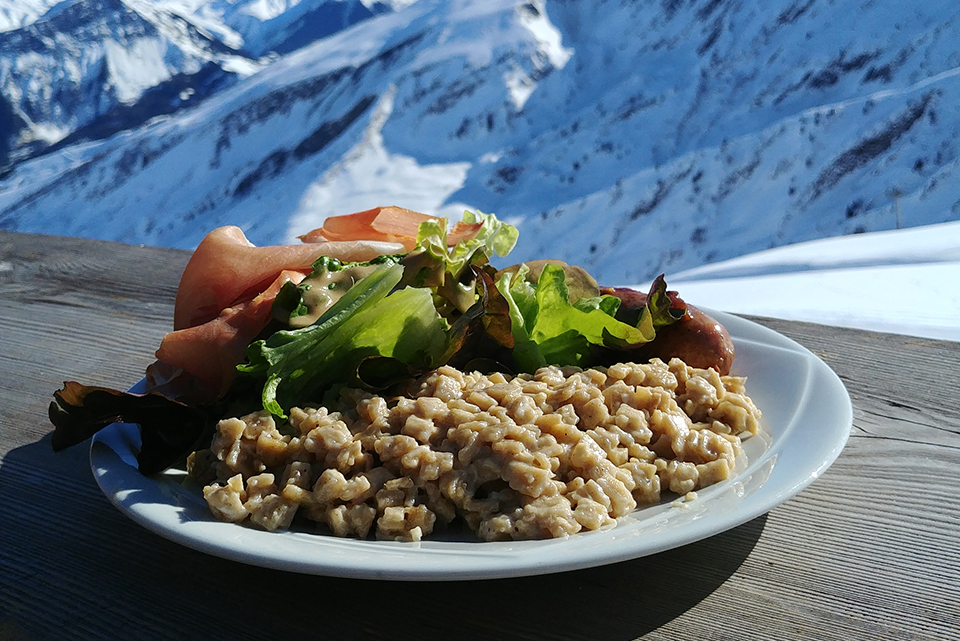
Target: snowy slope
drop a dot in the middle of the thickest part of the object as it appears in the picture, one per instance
(257, 147)
(20, 13)
(904, 282)
(632, 138)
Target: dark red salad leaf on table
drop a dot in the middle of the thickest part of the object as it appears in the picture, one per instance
(169, 429)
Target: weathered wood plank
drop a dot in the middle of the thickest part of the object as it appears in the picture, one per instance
(868, 551)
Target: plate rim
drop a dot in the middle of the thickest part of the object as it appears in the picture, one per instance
(367, 559)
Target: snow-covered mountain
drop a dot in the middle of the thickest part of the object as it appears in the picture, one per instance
(85, 69)
(631, 138)
(94, 67)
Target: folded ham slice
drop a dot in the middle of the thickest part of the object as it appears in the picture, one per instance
(388, 224)
(227, 269)
(211, 351)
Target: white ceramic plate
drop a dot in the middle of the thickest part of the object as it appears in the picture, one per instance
(806, 417)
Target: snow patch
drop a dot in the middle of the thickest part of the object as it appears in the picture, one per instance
(15, 14)
(533, 16)
(519, 85)
(904, 282)
(267, 9)
(550, 52)
(135, 67)
(241, 66)
(395, 5)
(48, 133)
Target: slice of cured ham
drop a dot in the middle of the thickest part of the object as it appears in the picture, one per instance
(389, 224)
(211, 351)
(227, 269)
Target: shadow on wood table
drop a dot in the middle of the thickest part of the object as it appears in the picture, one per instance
(98, 575)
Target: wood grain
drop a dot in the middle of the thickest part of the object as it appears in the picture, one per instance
(869, 551)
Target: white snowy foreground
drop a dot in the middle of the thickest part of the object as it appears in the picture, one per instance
(905, 282)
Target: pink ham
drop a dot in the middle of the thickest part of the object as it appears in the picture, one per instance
(227, 269)
(211, 351)
(224, 301)
(389, 224)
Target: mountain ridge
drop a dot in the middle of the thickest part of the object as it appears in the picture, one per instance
(630, 138)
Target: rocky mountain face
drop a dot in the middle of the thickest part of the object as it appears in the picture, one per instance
(629, 137)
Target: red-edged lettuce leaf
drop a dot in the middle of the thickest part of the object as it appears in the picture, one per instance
(665, 308)
(169, 429)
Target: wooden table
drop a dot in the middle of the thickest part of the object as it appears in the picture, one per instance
(870, 551)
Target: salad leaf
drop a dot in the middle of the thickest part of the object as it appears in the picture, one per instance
(663, 308)
(496, 310)
(580, 284)
(377, 373)
(548, 329)
(289, 303)
(168, 428)
(659, 309)
(265, 354)
(302, 304)
(494, 237)
(521, 299)
(445, 269)
(367, 321)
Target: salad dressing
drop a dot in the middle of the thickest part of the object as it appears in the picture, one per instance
(322, 289)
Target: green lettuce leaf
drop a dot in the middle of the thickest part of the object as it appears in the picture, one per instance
(548, 329)
(295, 308)
(446, 269)
(369, 321)
(494, 237)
